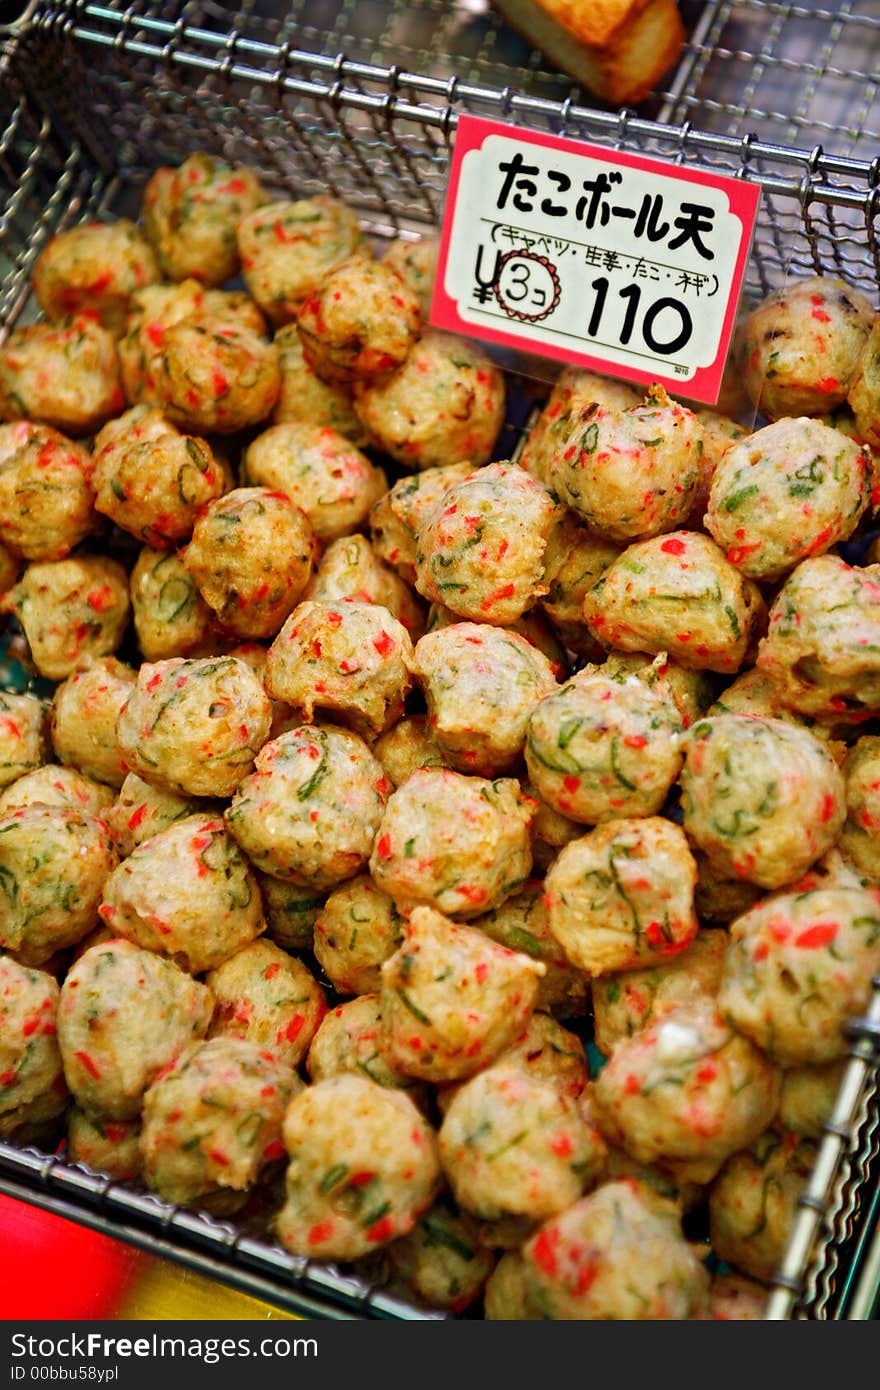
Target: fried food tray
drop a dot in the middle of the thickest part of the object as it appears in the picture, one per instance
(361, 98)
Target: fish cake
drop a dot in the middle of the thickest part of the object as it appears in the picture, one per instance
(212, 1123)
(268, 997)
(194, 725)
(51, 784)
(416, 264)
(575, 390)
(451, 998)
(286, 247)
(216, 377)
(304, 399)
(397, 515)
(141, 810)
(629, 1000)
(456, 843)
(520, 924)
(61, 374)
(32, 1086)
(622, 896)
(359, 322)
(754, 1200)
(47, 501)
(321, 471)
(761, 798)
(84, 713)
(310, 811)
(357, 929)
(171, 619)
(190, 215)
(54, 863)
(686, 1092)
(187, 892)
(677, 594)
(94, 267)
(106, 1146)
(445, 403)
(124, 1015)
(363, 1167)
(800, 964)
(23, 740)
(70, 610)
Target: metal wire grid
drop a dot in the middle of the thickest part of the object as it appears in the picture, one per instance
(216, 1248)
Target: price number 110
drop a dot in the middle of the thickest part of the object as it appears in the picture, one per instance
(664, 326)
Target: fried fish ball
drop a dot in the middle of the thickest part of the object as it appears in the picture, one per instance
(441, 1261)
(863, 396)
(616, 1254)
(801, 346)
(357, 929)
(70, 610)
(65, 375)
(348, 1041)
(575, 391)
(187, 892)
(105, 1145)
(363, 1167)
(630, 1000)
(719, 433)
(808, 1096)
(753, 1202)
(310, 810)
(513, 1145)
(677, 594)
(157, 489)
(350, 568)
(141, 810)
(686, 1092)
(549, 831)
(23, 742)
(860, 836)
(194, 725)
(396, 517)
(761, 798)
(481, 684)
(798, 966)
(349, 658)
(359, 322)
(291, 912)
(792, 489)
(32, 1086)
(602, 747)
(269, 997)
(320, 471)
(124, 1015)
(54, 785)
(622, 896)
(689, 690)
(416, 264)
(821, 646)
(733, 1298)
(444, 404)
(215, 377)
(251, 556)
(504, 1297)
(574, 560)
(47, 501)
(287, 247)
(718, 899)
(191, 213)
(458, 843)
(547, 1051)
(84, 713)
(629, 474)
(753, 692)
(94, 267)
(212, 1123)
(305, 399)
(520, 924)
(408, 744)
(170, 616)
(157, 308)
(481, 548)
(53, 865)
(451, 998)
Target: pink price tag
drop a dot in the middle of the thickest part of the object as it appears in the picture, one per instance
(627, 265)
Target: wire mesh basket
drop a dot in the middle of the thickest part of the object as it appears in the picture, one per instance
(361, 98)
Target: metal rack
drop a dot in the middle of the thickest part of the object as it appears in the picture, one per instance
(362, 97)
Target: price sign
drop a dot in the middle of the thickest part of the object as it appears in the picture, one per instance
(628, 265)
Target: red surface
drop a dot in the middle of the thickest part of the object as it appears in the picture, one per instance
(59, 1269)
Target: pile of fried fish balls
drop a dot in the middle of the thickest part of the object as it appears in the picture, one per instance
(461, 866)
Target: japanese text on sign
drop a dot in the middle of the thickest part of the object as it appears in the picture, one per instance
(598, 258)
